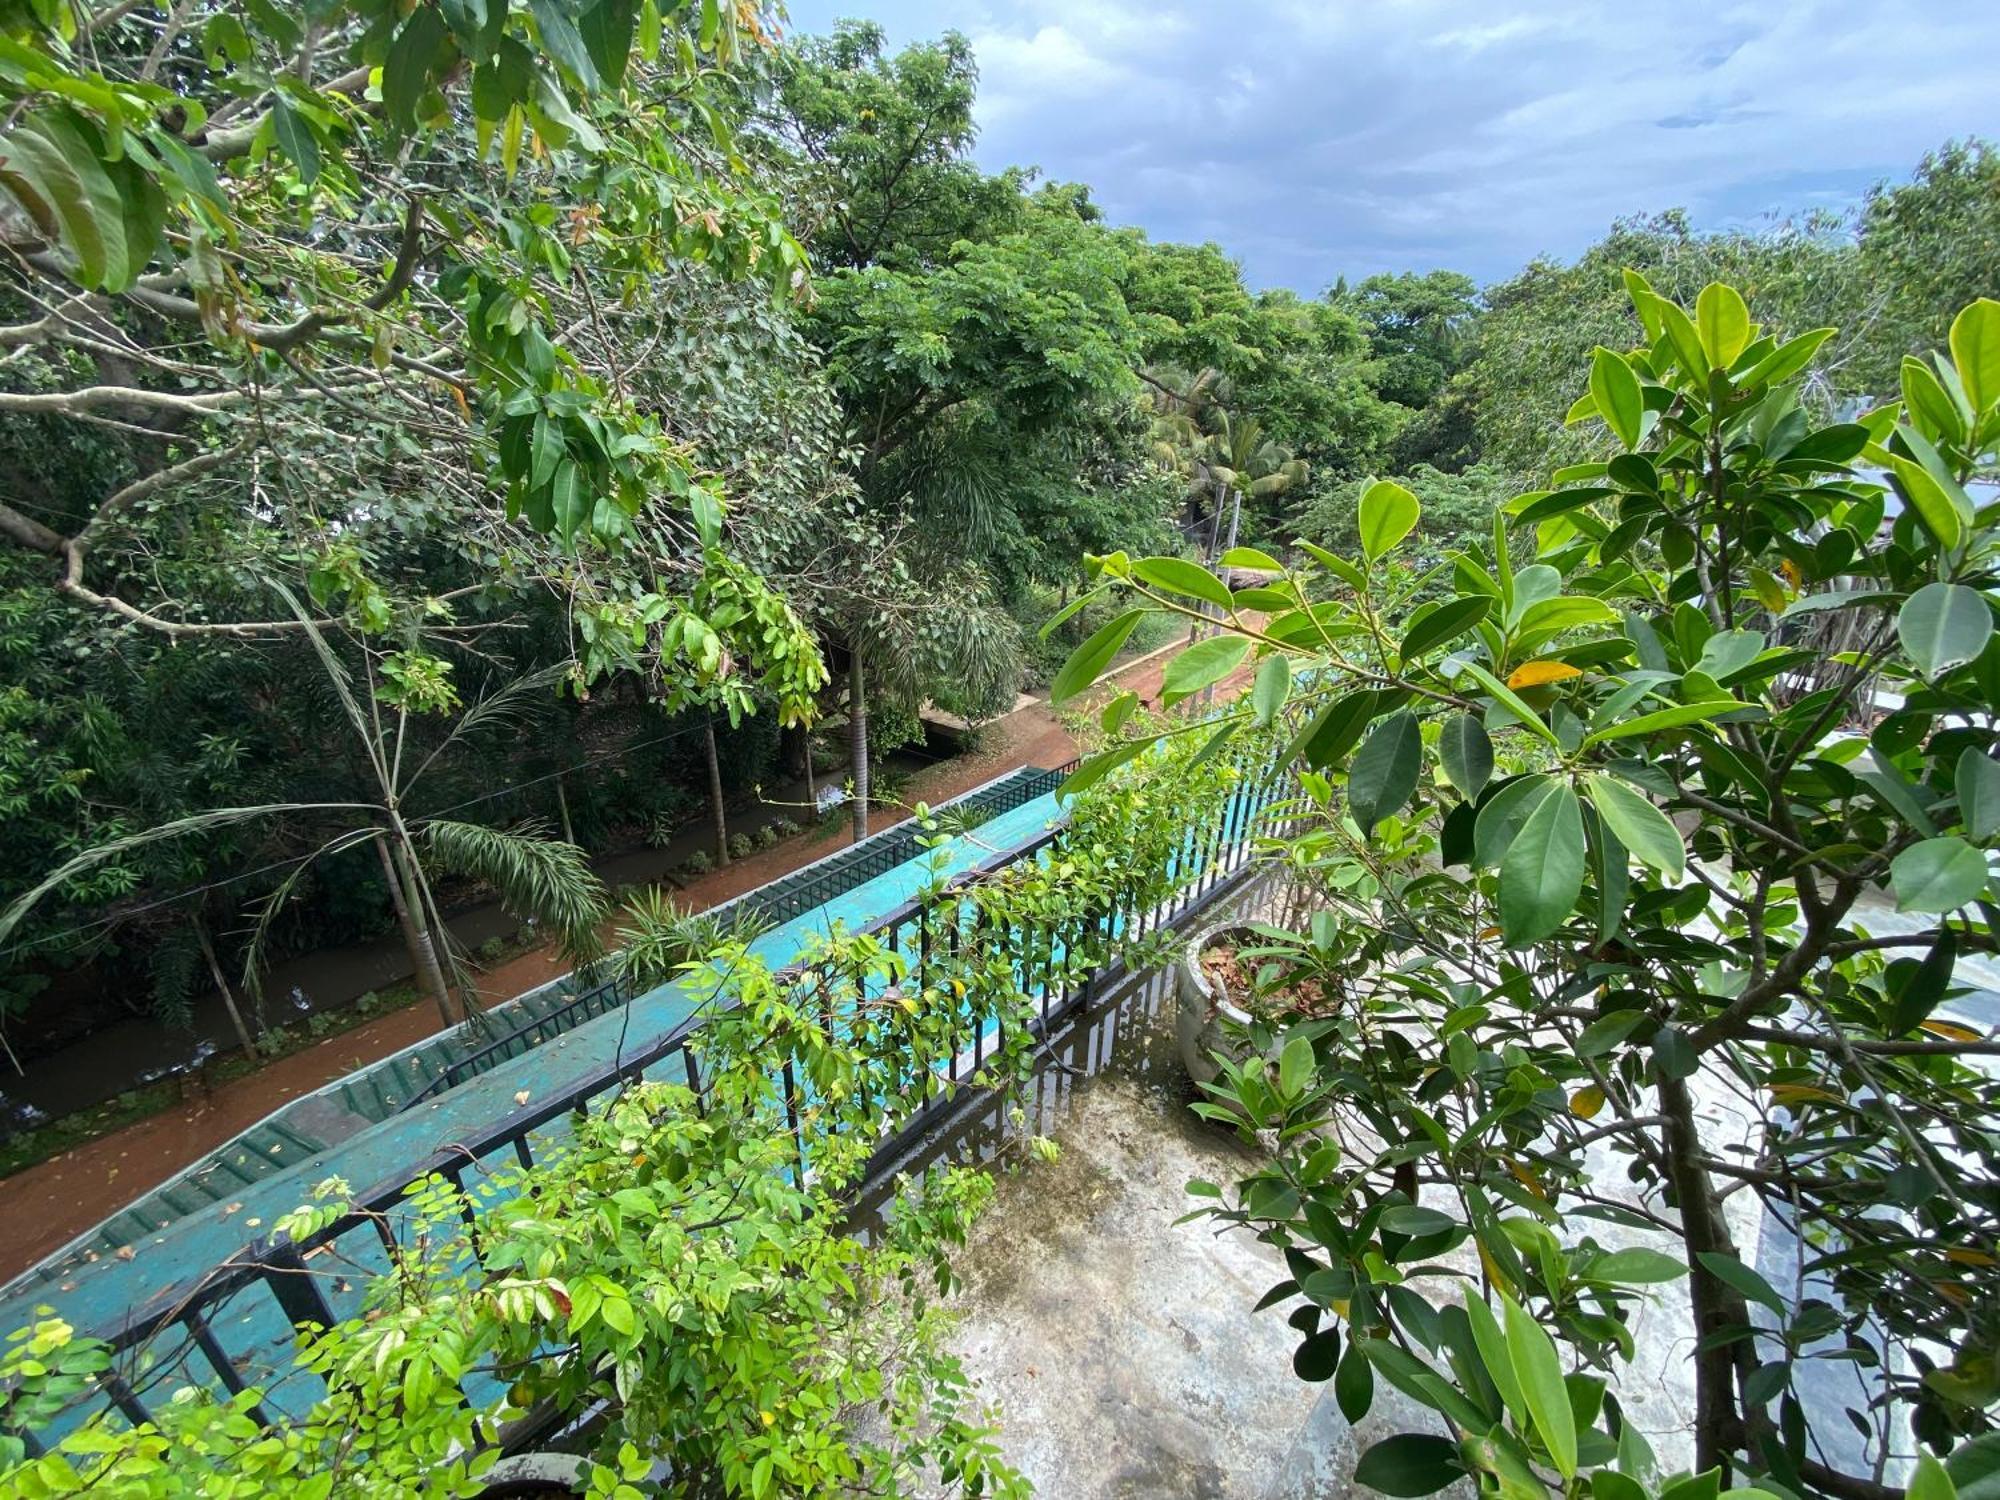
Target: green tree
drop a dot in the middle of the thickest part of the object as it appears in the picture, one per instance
(887, 144)
(1929, 246)
(1592, 839)
(1419, 329)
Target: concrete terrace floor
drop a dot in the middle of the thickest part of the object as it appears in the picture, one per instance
(1120, 1349)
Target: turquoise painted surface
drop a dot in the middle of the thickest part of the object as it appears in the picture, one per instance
(98, 1294)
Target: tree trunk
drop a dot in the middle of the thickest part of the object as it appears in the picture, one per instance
(857, 740)
(562, 811)
(1717, 1306)
(716, 810)
(222, 986)
(416, 936)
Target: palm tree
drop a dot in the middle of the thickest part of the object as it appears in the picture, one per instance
(1223, 455)
(537, 876)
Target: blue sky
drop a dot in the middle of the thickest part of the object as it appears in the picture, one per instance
(1353, 136)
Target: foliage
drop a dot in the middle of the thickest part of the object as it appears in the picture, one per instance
(1604, 861)
(1538, 328)
(687, 1261)
(889, 142)
(1931, 245)
(1418, 328)
(536, 876)
(1458, 510)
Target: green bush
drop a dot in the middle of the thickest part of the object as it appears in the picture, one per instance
(1608, 848)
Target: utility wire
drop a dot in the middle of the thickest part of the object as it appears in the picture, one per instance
(132, 911)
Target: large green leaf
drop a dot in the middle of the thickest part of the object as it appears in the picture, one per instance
(1431, 628)
(1938, 875)
(1684, 337)
(1539, 1369)
(561, 39)
(1409, 1464)
(1354, 1383)
(1723, 322)
(1678, 716)
(1934, 505)
(406, 71)
(1975, 349)
(1203, 664)
(1089, 659)
(1616, 391)
(295, 139)
(1273, 686)
(1385, 769)
(1547, 617)
(1790, 357)
(1751, 1284)
(1511, 701)
(1179, 576)
(1929, 405)
(1641, 827)
(1467, 754)
(1336, 728)
(1636, 1265)
(51, 164)
(1943, 625)
(1541, 875)
(1977, 778)
(1502, 816)
(1388, 511)
(1099, 766)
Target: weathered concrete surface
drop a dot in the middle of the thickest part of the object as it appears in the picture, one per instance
(1121, 1349)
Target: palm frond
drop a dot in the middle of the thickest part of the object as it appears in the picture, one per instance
(536, 876)
(509, 705)
(657, 940)
(336, 674)
(203, 822)
(269, 908)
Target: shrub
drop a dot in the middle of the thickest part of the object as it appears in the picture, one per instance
(1600, 831)
(741, 846)
(698, 863)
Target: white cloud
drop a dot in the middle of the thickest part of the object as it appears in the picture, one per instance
(1322, 137)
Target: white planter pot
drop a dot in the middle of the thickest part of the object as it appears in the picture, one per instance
(1202, 1012)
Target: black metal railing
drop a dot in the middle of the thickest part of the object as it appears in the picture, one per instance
(777, 903)
(180, 1324)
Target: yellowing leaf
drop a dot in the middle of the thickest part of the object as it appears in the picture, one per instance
(1951, 1031)
(1493, 1272)
(1970, 1257)
(1585, 1103)
(1527, 1179)
(1537, 673)
(1800, 1093)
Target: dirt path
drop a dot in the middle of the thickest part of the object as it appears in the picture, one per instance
(49, 1204)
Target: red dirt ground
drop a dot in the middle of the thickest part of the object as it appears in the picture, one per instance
(49, 1204)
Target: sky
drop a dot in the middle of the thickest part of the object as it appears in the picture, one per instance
(1347, 137)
